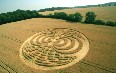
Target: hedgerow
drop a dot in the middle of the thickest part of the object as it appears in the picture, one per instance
(18, 15)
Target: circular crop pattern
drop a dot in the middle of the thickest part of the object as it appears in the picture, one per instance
(54, 48)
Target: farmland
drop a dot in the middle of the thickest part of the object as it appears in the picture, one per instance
(100, 58)
(103, 13)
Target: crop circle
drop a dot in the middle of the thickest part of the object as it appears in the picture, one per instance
(54, 48)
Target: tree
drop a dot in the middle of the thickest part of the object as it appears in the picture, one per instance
(109, 23)
(71, 17)
(99, 22)
(90, 17)
(18, 15)
(99, 5)
(114, 4)
(60, 15)
(78, 17)
(50, 15)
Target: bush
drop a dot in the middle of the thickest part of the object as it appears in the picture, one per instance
(99, 22)
(71, 17)
(60, 15)
(109, 23)
(50, 15)
(90, 17)
(77, 17)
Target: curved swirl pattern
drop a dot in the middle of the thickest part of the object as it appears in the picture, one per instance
(54, 48)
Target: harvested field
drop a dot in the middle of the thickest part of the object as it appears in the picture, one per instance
(101, 57)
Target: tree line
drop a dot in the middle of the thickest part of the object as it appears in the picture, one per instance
(53, 8)
(18, 15)
(77, 17)
(90, 18)
(99, 5)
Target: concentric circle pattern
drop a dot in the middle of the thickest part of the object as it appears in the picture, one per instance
(54, 48)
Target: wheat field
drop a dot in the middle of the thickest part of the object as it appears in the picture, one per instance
(103, 13)
(101, 57)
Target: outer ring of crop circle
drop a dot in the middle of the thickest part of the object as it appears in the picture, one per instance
(31, 64)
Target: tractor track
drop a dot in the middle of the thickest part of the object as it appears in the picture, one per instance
(7, 67)
(11, 38)
(92, 64)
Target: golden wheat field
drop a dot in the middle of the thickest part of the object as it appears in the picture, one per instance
(101, 57)
(103, 13)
